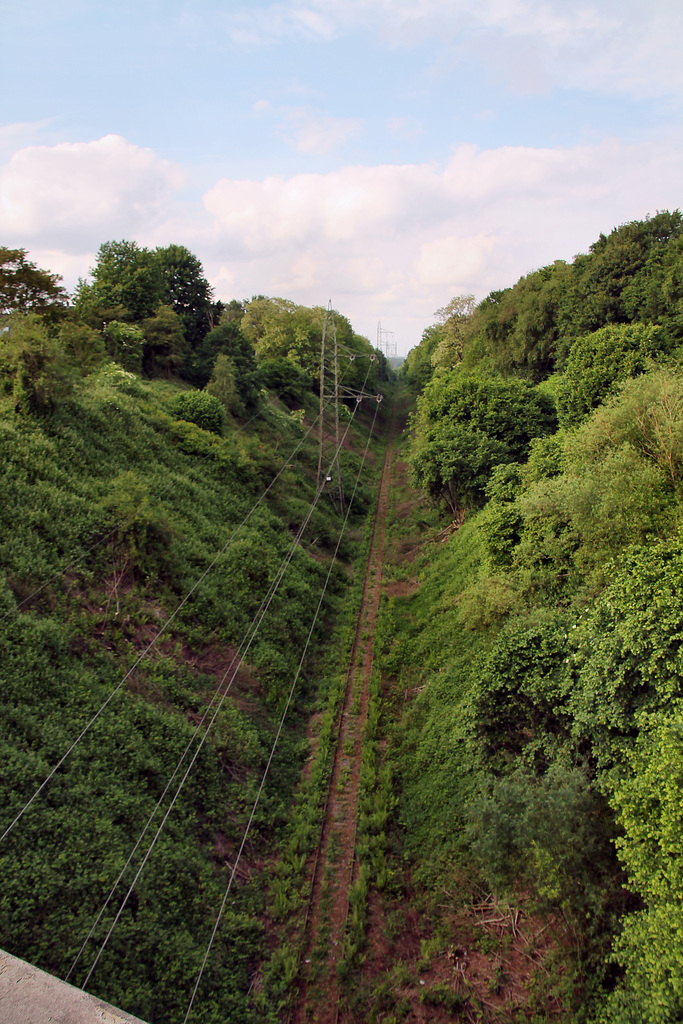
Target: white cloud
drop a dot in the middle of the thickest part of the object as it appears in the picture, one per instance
(402, 239)
(313, 131)
(74, 195)
(609, 45)
(453, 261)
(390, 241)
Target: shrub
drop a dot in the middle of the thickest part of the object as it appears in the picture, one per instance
(200, 408)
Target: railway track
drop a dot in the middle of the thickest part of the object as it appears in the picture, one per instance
(319, 995)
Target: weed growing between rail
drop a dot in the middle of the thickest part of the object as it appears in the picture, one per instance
(290, 890)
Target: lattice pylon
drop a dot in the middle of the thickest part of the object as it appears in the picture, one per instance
(329, 472)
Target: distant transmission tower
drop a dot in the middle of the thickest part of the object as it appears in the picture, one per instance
(329, 473)
(384, 344)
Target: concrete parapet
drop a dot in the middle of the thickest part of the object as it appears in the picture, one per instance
(30, 996)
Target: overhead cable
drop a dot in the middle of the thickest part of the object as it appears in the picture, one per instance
(277, 736)
(158, 636)
(253, 628)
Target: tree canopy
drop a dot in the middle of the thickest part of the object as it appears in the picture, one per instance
(25, 288)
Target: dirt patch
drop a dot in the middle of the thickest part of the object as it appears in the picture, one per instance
(491, 966)
(402, 588)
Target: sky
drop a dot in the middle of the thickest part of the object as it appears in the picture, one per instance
(384, 154)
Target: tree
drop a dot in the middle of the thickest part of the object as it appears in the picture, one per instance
(34, 365)
(628, 662)
(228, 339)
(201, 408)
(609, 285)
(453, 318)
(286, 378)
(451, 462)
(125, 276)
(222, 384)
(165, 348)
(516, 330)
(278, 327)
(24, 288)
(466, 425)
(124, 343)
(650, 946)
(418, 368)
(82, 345)
(598, 362)
(187, 291)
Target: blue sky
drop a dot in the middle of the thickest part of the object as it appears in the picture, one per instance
(386, 154)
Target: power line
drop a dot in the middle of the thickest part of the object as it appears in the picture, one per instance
(241, 652)
(124, 522)
(254, 628)
(277, 736)
(160, 633)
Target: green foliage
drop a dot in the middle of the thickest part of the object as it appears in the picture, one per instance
(286, 378)
(618, 280)
(228, 339)
(82, 346)
(465, 426)
(24, 288)
(138, 505)
(126, 276)
(628, 651)
(454, 319)
(417, 368)
(201, 408)
(34, 366)
(647, 417)
(520, 702)
(499, 524)
(542, 648)
(452, 462)
(187, 291)
(598, 362)
(548, 834)
(165, 348)
(650, 946)
(279, 328)
(222, 384)
(125, 344)
(516, 330)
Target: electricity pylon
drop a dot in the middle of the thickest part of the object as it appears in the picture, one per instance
(388, 347)
(329, 473)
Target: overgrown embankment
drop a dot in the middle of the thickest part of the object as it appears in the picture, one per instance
(138, 549)
(531, 655)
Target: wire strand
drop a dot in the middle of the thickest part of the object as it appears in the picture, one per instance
(254, 629)
(158, 636)
(240, 653)
(124, 522)
(277, 737)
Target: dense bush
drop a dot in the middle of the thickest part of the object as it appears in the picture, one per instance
(200, 408)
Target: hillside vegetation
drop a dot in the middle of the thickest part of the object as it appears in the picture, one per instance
(159, 477)
(519, 846)
(540, 757)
